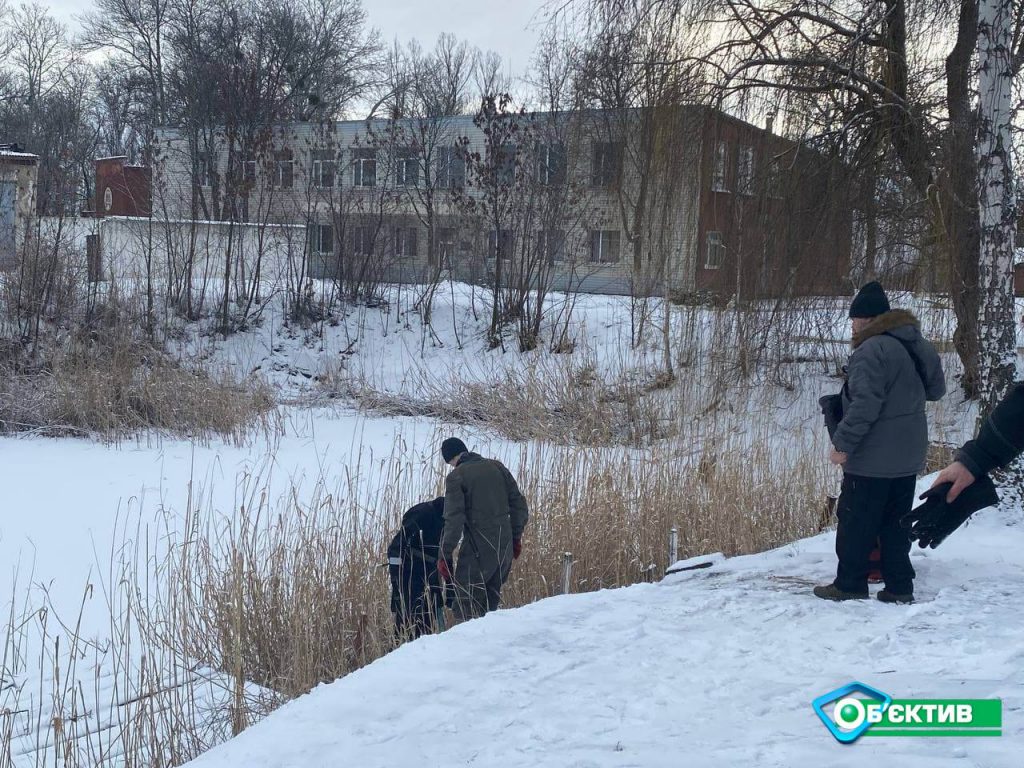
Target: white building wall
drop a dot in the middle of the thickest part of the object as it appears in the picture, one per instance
(304, 203)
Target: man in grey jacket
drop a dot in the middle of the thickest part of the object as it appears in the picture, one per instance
(484, 509)
(881, 444)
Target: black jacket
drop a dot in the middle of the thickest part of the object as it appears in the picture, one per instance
(1001, 438)
(412, 564)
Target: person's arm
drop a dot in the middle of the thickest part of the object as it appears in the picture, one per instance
(1001, 437)
(935, 377)
(454, 516)
(518, 511)
(866, 384)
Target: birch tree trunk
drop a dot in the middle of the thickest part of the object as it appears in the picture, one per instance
(997, 202)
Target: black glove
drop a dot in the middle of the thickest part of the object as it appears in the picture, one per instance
(932, 522)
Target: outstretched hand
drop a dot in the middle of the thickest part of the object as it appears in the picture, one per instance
(957, 474)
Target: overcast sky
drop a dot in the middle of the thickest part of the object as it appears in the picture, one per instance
(509, 27)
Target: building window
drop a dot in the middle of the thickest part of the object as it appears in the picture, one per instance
(551, 245)
(607, 163)
(745, 171)
(604, 246)
(362, 241)
(444, 246)
(405, 242)
(407, 168)
(364, 167)
(451, 168)
(499, 241)
(207, 170)
(321, 239)
(249, 172)
(283, 170)
(505, 164)
(551, 164)
(721, 163)
(323, 167)
(716, 251)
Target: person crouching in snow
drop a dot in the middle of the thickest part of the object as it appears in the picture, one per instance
(417, 597)
(483, 509)
(881, 443)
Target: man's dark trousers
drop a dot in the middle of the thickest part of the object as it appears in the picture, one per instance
(870, 509)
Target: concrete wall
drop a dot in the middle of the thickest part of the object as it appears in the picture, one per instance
(18, 173)
(131, 248)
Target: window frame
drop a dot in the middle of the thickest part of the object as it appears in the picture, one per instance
(318, 161)
(713, 239)
(364, 166)
(363, 243)
(552, 164)
(492, 243)
(720, 169)
(317, 239)
(598, 238)
(406, 158)
(606, 164)
(545, 237)
(403, 237)
(451, 159)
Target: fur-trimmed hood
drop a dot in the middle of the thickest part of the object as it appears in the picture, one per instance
(886, 323)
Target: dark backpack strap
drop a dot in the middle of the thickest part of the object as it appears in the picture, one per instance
(918, 365)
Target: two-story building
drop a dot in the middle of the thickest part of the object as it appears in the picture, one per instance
(682, 200)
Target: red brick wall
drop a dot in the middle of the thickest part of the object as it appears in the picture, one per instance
(128, 189)
(790, 236)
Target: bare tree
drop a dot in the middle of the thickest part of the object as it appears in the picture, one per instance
(137, 30)
(633, 67)
(241, 69)
(997, 205)
(876, 64)
(434, 92)
(41, 55)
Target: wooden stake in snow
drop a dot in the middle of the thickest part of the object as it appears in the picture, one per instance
(997, 201)
(566, 573)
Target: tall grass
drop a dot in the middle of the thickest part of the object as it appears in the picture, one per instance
(216, 618)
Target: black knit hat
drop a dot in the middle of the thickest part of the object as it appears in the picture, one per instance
(451, 448)
(870, 301)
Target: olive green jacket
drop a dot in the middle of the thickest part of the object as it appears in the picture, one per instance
(484, 508)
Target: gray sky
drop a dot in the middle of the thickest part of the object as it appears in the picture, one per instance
(506, 26)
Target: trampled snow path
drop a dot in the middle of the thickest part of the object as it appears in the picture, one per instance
(716, 667)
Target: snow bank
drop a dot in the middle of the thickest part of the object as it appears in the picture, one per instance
(713, 667)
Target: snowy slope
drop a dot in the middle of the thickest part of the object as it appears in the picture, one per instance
(62, 544)
(715, 667)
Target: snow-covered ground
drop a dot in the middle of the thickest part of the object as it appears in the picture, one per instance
(76, 513)
(652, 675)
(715, 667)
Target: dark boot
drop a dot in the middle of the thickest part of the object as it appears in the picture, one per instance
(832, 592)
(891, 597)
